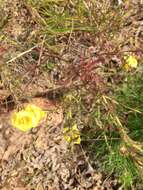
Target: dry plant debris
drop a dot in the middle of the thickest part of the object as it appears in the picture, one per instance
(41, 159)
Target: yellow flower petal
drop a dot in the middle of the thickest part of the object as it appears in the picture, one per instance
(27, 118)
(126, 67)
(131, 62)
(38, 112)
(23, 120)
(72, 135)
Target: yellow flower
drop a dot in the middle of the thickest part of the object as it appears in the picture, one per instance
(27, 118)
(131, 62)
(72, 135)
(36, 111)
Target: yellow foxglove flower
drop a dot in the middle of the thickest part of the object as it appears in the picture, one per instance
(131, 62)
(27, 118)
(72, 135)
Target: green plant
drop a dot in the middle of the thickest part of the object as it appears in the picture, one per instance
(103, 100)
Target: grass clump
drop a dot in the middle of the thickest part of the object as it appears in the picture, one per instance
(65, 17)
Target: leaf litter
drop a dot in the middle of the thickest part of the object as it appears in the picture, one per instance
(40, 156)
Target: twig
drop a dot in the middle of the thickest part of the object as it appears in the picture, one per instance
(86, 159)
(41, 53)
(21, 54)
(101, 139)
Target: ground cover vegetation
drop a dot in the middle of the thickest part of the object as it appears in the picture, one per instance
(87, 55)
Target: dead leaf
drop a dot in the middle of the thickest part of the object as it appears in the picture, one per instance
(39, 187)
(16, 143)
(2, 50)
(21, 188)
